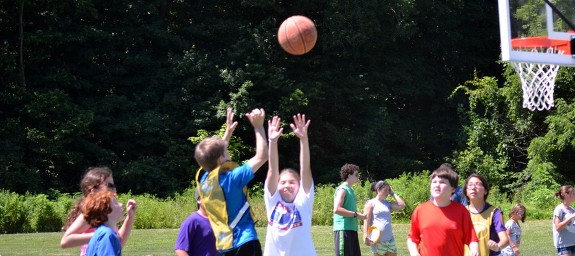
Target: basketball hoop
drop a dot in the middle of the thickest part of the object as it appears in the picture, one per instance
(538, 80)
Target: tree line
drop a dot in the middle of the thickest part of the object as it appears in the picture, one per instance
(392, 86)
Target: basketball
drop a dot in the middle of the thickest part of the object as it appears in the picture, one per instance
(297, 35)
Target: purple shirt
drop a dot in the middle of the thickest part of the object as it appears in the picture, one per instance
(196, 236)
(497, 225)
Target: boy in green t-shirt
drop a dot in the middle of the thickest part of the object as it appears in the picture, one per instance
(345, 217)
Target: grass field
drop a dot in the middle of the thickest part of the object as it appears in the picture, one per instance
(537, 241)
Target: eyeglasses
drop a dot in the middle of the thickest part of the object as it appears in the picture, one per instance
(476, 184)
(111, 185)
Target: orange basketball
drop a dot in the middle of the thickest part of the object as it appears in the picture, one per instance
(297, 35)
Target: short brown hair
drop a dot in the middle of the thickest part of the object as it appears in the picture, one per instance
(347, 170)
(446, 173)
(208, 151)
(97, 206)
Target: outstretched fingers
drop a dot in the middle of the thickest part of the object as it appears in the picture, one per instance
(274, 129)
(300, 125)
(230, 124)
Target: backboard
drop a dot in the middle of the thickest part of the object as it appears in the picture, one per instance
(528, 28)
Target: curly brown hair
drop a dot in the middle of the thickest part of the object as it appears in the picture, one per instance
(347, 170)
(97, 206)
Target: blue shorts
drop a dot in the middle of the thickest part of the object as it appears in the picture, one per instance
(566, 250)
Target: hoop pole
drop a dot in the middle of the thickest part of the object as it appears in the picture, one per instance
(505, 29)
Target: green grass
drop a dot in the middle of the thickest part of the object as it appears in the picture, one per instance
(537, 241)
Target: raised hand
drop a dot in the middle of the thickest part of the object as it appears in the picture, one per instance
(274, 129)
(131, 207)
(299, 126)
(256, 117)
(230, 125)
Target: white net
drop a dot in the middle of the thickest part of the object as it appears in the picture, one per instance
(537, 82)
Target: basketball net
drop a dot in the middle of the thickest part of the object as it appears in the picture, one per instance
(537, 81)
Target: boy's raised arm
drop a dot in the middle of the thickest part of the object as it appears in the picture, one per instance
(256, 118)
(299, 128)
(274, 132)
(230, 125)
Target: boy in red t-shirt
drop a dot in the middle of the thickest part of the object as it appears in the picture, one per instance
(441, 226)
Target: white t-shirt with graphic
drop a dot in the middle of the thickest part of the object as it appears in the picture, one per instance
(565, 237)
(289, 224)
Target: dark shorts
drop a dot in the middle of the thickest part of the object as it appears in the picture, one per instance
(566, 250)
(346, 243)
(251, 248)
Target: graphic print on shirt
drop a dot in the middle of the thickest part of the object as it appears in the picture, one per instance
(284, 217)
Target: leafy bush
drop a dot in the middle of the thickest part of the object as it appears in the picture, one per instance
(43, 214)
(38, 213)
(323, 205)
(12, 212)
(154, 213)
(413, 189)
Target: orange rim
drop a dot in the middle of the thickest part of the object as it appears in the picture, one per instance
(541, 42)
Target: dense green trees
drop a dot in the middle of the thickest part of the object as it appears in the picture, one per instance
(125, 83)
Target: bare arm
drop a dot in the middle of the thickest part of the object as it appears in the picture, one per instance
(503, 240)
(399, 203)
(474, 249)
(560, 225)
(230, 125)
(74, 235)
(412, 247)
(126, 229)
(513, 245)
(299, 128)
(368, 210)
(338, 206)
(256, 118)
(274, 132)
(181, 253)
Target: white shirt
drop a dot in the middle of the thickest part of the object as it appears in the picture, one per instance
(289, 224)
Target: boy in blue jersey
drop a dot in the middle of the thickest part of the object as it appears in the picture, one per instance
(212, 154)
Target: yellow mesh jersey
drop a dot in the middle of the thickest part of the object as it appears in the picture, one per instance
(214, 200)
